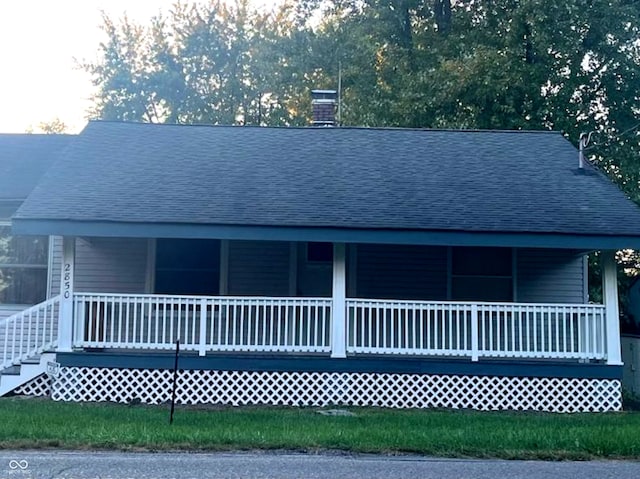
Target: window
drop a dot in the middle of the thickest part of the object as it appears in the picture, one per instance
(319, 253)
(481, 274)
(23, 267)
(185, 266)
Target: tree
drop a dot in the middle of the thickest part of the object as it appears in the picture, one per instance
(53, 127)
(535, 64)
(203, 63)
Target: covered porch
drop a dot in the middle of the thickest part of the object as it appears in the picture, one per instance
(338, 325)
(340, 347)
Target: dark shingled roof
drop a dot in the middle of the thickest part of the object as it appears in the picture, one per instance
(353, 178)
(23, 160)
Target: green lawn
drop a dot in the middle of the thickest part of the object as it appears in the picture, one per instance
(34, 423)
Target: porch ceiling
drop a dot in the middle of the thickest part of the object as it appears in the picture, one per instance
(267, 233)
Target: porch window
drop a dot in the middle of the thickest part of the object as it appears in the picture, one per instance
(187, 266)
(23, 267)
(482, 274)
(319, 253)
(314, 269)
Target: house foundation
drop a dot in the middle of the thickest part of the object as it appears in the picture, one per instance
(309, 388)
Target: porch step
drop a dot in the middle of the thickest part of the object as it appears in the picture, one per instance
(11, 371)
(32, 360)
(16, 376)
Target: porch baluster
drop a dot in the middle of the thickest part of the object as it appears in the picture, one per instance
(202, 345)
(474, 332)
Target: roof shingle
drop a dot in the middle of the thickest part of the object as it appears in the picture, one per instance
(391, 179)
(23, 160)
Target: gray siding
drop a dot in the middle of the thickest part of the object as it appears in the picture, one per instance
(111, 265)
(7, 310)
(382, 271)
(258, 268)
(630, 348)
(401, 272)
(56, 265)
(550, 276)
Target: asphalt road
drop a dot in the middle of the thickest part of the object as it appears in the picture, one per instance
(106, 465)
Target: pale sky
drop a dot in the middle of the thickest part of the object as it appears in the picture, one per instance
(39, 40)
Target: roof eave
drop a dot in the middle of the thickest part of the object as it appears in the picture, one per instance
(25, 226)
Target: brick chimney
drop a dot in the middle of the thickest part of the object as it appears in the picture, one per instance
(324, 107)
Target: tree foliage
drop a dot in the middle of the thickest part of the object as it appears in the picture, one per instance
(52, 127)
(536, 64)
(202, 63)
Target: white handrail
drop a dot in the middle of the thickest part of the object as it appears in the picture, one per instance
(202, 323)
(29, 332)
(289, 324)
(468, 329)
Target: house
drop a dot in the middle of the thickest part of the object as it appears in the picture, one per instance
(312, 266)
(28, 275)
(25, 272)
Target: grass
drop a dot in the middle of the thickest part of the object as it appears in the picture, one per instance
(37, 423)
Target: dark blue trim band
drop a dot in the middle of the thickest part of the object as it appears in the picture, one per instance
(246, 362)
(346, 235)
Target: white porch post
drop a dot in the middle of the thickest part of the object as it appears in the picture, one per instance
(610, 300)
(65, 321)
(338, 310)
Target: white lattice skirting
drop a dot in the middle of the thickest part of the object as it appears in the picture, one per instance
(153, 386)
(39, 386)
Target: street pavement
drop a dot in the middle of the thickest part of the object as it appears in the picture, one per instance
(53, 464)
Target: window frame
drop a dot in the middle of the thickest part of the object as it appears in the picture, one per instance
(47, 267)
(511, 277)
(158, 269)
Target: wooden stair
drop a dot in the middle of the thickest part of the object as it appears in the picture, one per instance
(27, 341)
(17, 375)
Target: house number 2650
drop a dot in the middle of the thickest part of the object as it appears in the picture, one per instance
(67, 281)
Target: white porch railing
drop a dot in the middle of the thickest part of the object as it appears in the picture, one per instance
(202, 323)
(258, 324)
(29, 332)
(476, 329)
